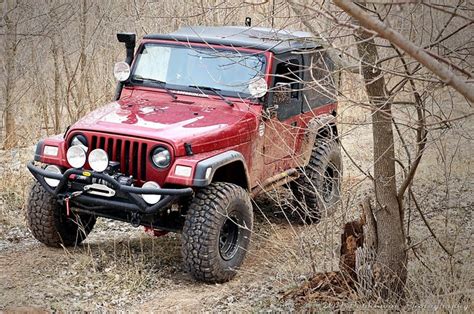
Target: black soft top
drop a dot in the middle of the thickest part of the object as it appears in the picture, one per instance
(274, 40)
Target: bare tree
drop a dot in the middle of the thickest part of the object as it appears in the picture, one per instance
(390, 270)
(396, 77)
(10, 42)
(415, 52)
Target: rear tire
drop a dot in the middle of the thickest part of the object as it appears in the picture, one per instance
(216, 233)
(317, 190)
(49, 224)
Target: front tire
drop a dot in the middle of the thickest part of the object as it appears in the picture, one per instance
(216, 233)
(49, 224)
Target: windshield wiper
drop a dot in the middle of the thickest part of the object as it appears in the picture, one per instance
(215, 91)
(161, 83)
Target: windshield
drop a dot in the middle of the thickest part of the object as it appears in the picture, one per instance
(182, 67)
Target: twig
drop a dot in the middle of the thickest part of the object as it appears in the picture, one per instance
(421, 261)
(428, 225)
(367, 174)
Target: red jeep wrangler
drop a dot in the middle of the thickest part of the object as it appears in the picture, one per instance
(205, 119)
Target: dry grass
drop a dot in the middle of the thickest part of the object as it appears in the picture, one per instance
(14, 186)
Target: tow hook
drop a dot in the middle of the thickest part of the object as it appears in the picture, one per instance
(68, 198)
(136, 219)
(155, 232)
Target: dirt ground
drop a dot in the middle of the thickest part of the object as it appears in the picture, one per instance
(131, 271)
(122, 268)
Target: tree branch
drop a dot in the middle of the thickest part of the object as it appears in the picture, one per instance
(428, 225)
(341, 64)
(384, 31)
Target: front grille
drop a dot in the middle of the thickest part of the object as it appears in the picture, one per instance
(132, 155)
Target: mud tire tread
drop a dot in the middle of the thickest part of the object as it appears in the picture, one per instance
(204, 218)
(303, 188)
(48, 223)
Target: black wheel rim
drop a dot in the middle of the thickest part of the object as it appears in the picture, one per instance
(228, 239)
(329, 183)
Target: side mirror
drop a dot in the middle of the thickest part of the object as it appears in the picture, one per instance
(281, 94)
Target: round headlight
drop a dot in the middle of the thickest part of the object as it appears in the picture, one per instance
(161, 157)
(98, 160)
(76, 156)
(54, 169)
(80, 140)
(151, 198)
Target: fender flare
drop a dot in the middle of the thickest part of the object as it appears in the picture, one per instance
(321, 122)
(216, 162)
(316, 127)
(39, 150)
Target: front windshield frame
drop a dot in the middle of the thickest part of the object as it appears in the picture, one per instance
(193, 90)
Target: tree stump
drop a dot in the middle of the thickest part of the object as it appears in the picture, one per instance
(356, 276)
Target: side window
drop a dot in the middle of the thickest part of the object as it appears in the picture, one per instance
(286, 89)
(319, 86)
(288, 73)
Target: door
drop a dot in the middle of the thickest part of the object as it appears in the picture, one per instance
(282, 120)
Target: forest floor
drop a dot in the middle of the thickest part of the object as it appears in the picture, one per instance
(122, 268)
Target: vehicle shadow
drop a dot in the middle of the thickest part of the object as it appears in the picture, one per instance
(276, 207)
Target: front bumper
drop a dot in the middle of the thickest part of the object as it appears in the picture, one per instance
(128, 199)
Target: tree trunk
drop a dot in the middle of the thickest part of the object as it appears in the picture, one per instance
(57, 79)
(10, 139)
(390, 267)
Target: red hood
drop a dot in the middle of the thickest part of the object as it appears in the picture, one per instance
(210, 126)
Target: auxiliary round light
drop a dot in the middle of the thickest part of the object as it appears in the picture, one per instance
(258, 87)
(121, 71)
(76, 156)
(50, 181)
(151, 198)
(98, 160)
(161, 157)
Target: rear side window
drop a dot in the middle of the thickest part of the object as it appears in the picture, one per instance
(319, 86)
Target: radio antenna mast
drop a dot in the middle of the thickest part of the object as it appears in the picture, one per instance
(273, 13)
